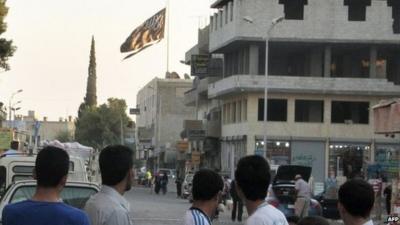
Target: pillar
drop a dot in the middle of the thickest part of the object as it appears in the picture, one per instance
(253, 59)
(327, 61)
(373, 52)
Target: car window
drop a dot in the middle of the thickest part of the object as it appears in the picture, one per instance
(23, 169)
(21, 177)
(74, 196)
(3, 176)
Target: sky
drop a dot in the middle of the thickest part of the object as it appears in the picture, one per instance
(53, 44)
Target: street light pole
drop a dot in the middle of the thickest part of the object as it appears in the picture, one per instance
(10, 101)
(274, 22)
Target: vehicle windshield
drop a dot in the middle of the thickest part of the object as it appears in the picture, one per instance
(74, 196)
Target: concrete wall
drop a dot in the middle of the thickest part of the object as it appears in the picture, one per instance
(290, 129)
(324, 21)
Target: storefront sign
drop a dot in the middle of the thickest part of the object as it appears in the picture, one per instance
(182, 146)
(196, 158)
(196, 134)
(134, 111)
(199, 65)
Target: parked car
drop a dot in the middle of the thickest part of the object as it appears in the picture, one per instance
(329, 206)
(282, 193)
(187, 186)
(74, 193)
(170, 172)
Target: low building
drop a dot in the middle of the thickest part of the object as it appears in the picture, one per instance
(160, 122)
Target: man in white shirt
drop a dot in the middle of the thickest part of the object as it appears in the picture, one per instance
(303, 196)
(252, 180)
(109, 207)
(206, 192)
(356, 200)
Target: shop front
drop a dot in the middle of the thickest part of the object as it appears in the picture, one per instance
(387, 157)
(278, 151)
(348, 159)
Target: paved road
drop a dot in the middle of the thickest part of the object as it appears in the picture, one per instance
(150, 209)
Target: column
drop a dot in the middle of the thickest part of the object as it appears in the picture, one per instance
(373, 52)
(253, 59)
(316, 62)
(327, 61)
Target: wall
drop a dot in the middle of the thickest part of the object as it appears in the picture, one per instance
(324, 20)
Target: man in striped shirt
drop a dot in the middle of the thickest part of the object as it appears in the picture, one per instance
(207, 187)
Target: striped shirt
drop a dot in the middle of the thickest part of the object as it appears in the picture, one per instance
(195, 216)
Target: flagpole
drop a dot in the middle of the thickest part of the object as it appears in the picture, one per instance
(168, 27)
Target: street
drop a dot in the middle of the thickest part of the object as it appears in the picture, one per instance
(150, 209)
(147, 208)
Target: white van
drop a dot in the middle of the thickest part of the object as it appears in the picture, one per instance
(20, 167)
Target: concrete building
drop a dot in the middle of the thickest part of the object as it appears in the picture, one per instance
(160, 122)
(329, 62)
(48, 130)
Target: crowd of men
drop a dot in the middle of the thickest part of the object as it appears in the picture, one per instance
(109, 207)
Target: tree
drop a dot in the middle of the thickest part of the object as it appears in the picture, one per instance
(101, 126)
(91, 98)
(6, 48)
(64, 136)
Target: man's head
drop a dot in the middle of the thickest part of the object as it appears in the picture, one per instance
(297, 177)
(116, 163)
(356, 199)
(252, 178)
(51, 167)
(207, 186)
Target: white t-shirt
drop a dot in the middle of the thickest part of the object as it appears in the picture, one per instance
(195, 216)
(303, 188)
(266, 215)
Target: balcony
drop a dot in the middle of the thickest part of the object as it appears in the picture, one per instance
(201, 87)
(304, 85)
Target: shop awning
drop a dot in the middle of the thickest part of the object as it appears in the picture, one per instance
(387, 117)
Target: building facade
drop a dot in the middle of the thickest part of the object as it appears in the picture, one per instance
(160, 122)
(329, 62)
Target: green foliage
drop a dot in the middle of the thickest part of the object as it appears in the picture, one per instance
(101, 126)
(64, 136)
(6, 48)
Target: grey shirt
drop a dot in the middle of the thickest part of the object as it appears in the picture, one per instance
(108, 207)
(303, 189)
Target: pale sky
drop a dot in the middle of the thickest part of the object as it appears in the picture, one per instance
(53, 40)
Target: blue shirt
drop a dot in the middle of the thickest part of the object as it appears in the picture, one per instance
(43, 213)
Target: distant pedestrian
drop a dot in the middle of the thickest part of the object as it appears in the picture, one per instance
(252, 178)
(178, 183)
(109, 207)
(313, 220)
(303, 196)
(237, 208)
(356, 200)
(206, 191)
(388, 197)
(148, 179)
(46, 206)
(163, 182)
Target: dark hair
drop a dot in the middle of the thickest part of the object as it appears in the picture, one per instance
(253, 176)
(313, 220)
(293, 219)
(51, 166)
(357, 197)
(206, 184)
(115, 162)
(14, 145)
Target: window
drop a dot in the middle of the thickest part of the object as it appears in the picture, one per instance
(226, 13)
(244, 110)
(357, 10)
(239, 111)
(277, 110)
(350, 112)
(23, 169)
(293, 9)
(309, 111)
(233, 114)
(232, 5)
(3, 176)
(395, 15)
